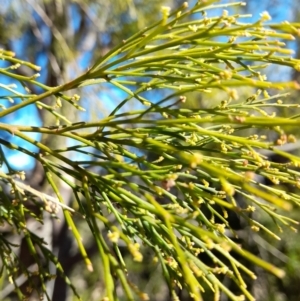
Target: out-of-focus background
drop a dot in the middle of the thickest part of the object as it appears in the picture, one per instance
(64, 37)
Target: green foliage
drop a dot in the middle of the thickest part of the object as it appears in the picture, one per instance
(177, 204)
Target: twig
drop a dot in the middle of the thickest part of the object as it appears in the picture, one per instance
(43, 196)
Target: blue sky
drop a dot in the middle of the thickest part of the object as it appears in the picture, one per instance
(29, 115)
